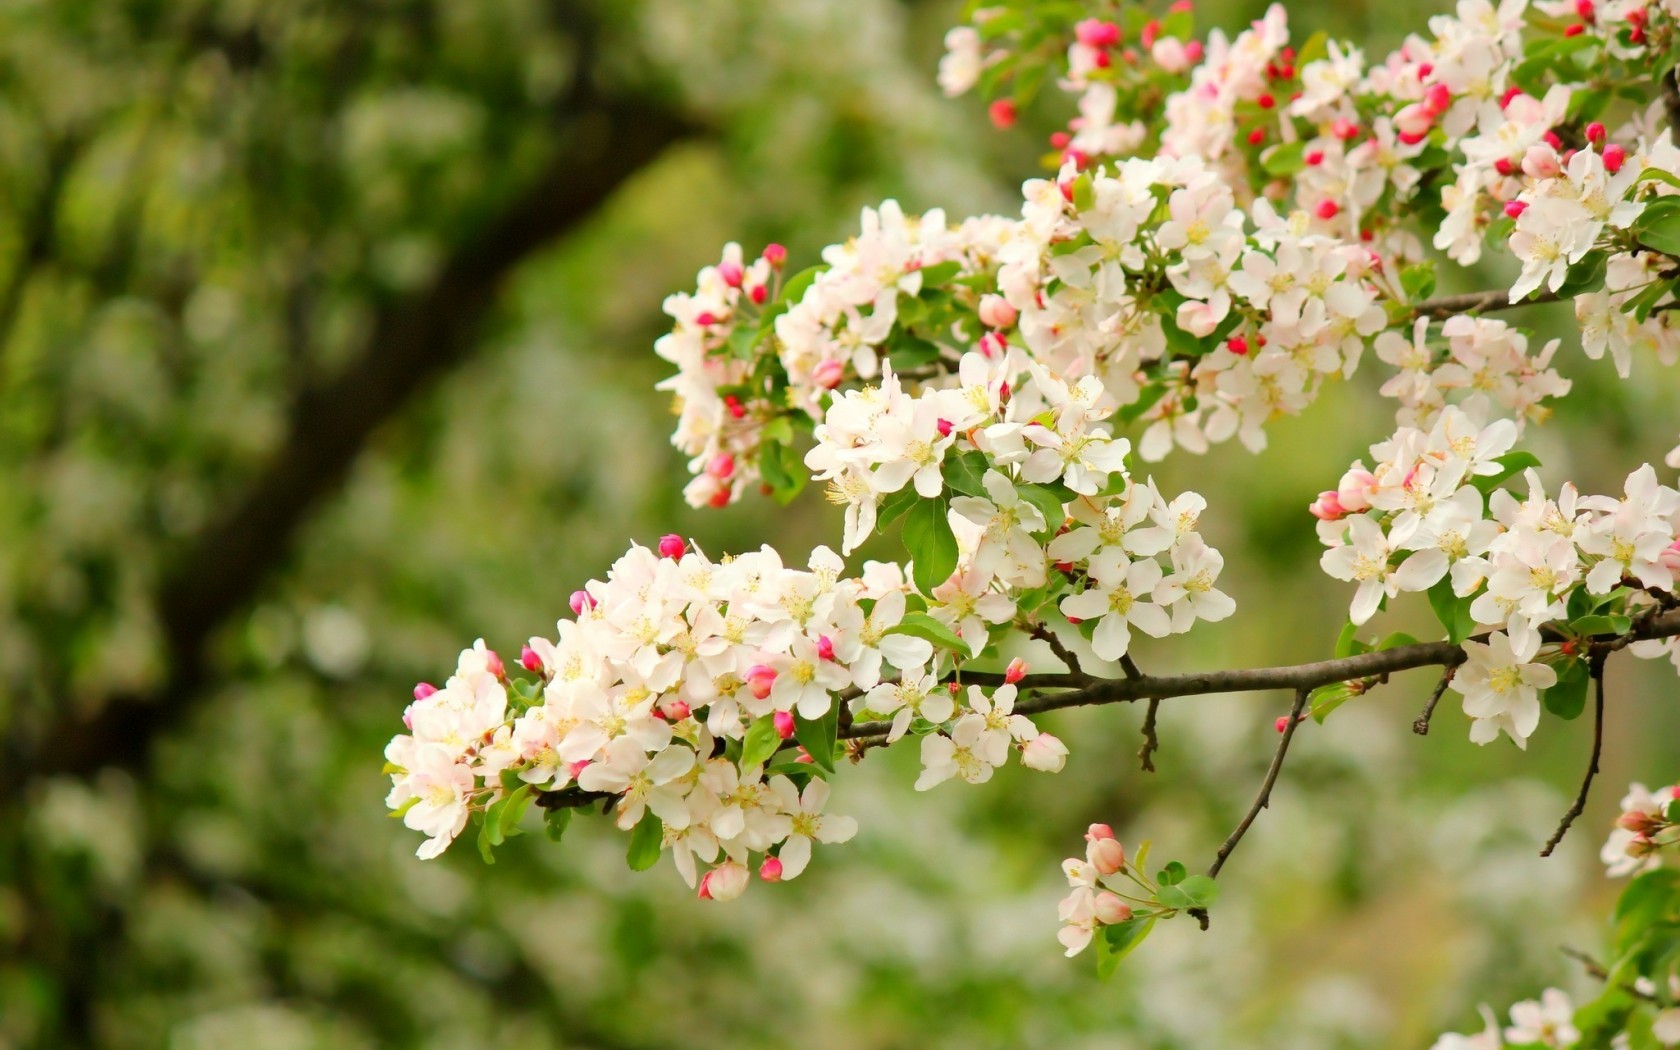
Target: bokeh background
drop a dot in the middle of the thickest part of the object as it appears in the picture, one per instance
(325, 348)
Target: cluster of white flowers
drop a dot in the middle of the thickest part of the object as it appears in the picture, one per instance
(1564, 210)
(1417, 518)
(1548, 1021)
(1483, 357)
(720, 412)
(1642, 829)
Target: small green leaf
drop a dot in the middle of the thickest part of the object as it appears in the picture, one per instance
(964, 474)
(893, 507)
(1585, 275)
(1658, 226)
(1194, 892)
(402, 810)
(1510, 465)
(1118, 941)
(940, 273)
(1283, 159)
(645, 842)
(1326, 698)
(1600, 624)
(1048, 502)
(760, 743)
(1397, 640)
(1568, 697)
(486, 848)
(1172, 873)
(1345, 642)
(556, 821)
(931, 543)
(1452, 611)
(818, 735)
(1418, 281)
(512, 808)
(925, 627)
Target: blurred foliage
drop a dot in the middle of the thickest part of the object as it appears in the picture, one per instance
(208, 205)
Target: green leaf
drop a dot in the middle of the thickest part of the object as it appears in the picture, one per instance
(556, 821)
(1118, 941)
(1047, 500)
(1197, 891)
(1510, 465)
(1452, 611)
(1658, 175)
(964, 474)
(797, 285)
(894, 506)
(1147, 399)
(1418, 280)
(511, 808)
(1346, 642)
(760, 743)
(783, 470)
(1568, 697)
(1601, 624)
(931, 543)
(925, 627)
(402, 810)
(1658, 226)
(940, 273)
(486, 849)
(1084, 193)
(1174, 872)
(817, 735)
(1284, 159)
(1397, 640)
(1584, 276)
(645, 842)
(1326, 698)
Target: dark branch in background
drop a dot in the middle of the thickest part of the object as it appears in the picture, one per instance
(1671, 99)
(1421, 726)
(413, 341)
(1044, 634)
(1580, 803)
(1263, 797)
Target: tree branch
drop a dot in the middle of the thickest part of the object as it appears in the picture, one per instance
(1263, 798)
(1477, 302)
(1084, 690)
(1151, 742)
(1421, 726)
(1580, 802)
(413, 341)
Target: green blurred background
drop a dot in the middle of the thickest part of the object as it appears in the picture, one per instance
(325, 348)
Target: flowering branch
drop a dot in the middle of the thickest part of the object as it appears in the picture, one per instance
(1478, 302)
(1263, 798)
(1421, 726)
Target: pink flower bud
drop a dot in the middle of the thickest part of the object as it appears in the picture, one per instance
(1313, 158)
(1596, 133)
(1437, 99)
(1044, 753)
(1076, 620)
(1002, 113)
(1237, 345)
(1584, 10)
(1150, 31)
(1098, 831)
(1193, 51)
(944, 427)
(758, 293)
(1327, 507)
(529, 660)
(1257, 136)
(1514, 209)
(1638, 822)
(1353, 492)
(721, 466)
(825, 647)
(1551, 139)
(1575, 30)
(672, 546)
(1327, 209)
(736, 409)
(423, 690)
(577, 767)
(995, 312)
(1415, 119)
(775, 255)
(724, 882)
(1111, 909)
(1282, 723)
(1670, 557)
(1106, 855)
(1541, 162)
(1504, 166)
(1094, 32)
(760, 678)
(675, 710)
(805, 757)
(493, 664)
(993, 344)
(582, 601)
(1344, 129)
(828, 374)
(784, 724)
(1016, 671)
(1171, 55)
(1614, 157)
(770, 870)
(705, 319)
(730, 273)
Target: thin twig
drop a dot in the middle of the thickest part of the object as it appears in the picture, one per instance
(1130, 666)
(1151, 743)
(1421, 725)
(1580, 802)
(1264, 797)
(1044, 634)
(1596, 970)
